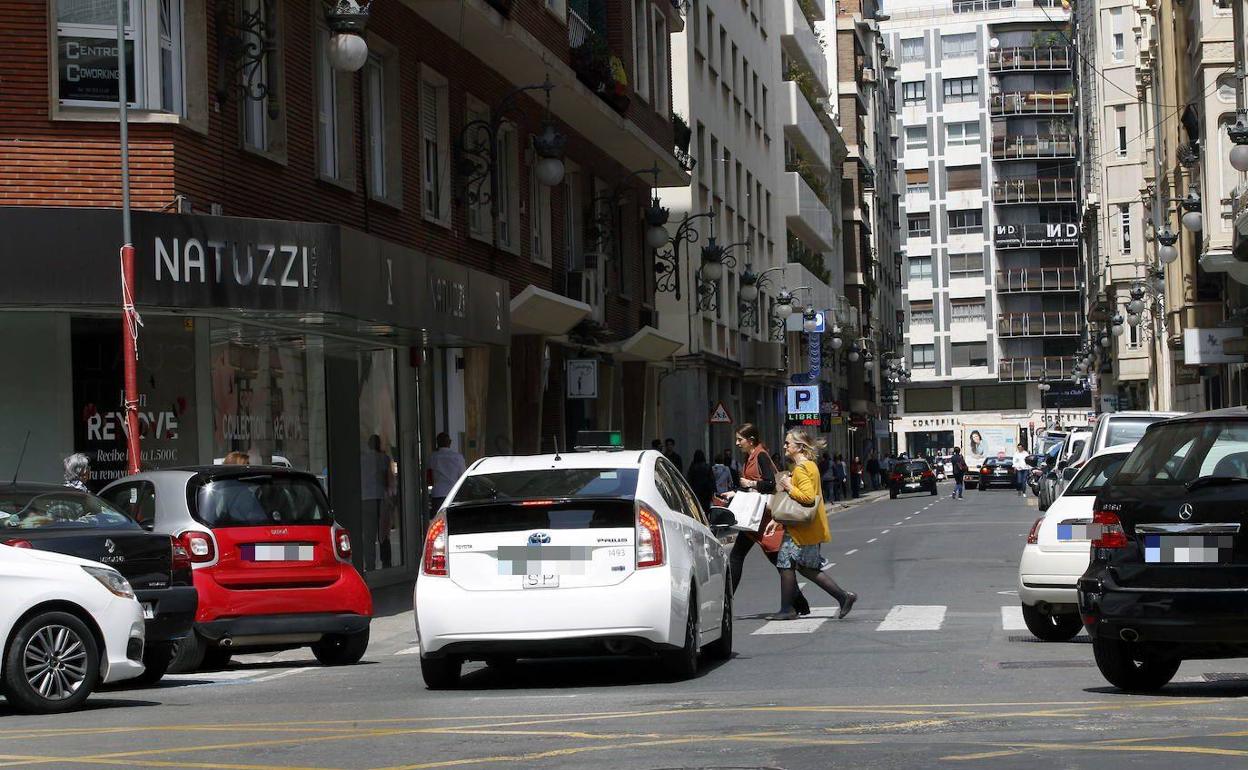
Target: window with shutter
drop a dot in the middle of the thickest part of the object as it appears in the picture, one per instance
(434, 130)
(917, 181)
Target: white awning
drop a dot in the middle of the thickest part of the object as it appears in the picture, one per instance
(649, 344)
(538, 311)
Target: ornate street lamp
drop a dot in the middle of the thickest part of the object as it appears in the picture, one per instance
(346, 20)
(714, 259)
(810, 319)
(1193, 220)
(667, 261)
(1166, 251)
(1238, 133)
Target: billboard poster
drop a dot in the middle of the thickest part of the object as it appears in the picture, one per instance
(983, 441)
(166, 395)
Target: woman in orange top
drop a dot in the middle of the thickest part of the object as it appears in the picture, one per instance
(799, 552)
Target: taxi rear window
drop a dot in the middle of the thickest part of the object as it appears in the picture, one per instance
(554, 484)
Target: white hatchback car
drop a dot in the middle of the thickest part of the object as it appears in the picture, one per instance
(584, 553)
(66, 624)
(1059, 547)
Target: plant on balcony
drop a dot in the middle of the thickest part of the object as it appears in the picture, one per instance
(810, 259)
(601, 71)
(809, 10)
(811, 175)
(681, 132)
(805, 80)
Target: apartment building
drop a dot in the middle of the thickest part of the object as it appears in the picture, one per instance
(988, 160)
(372, 256)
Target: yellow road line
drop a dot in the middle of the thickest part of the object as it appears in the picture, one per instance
(1013, 749)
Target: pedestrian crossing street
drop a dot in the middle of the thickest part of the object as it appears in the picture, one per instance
(900, 618)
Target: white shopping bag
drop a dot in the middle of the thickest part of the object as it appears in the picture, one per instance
(748, 508)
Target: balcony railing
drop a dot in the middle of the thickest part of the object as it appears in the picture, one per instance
(1037, 236)
(1039, 324)
(979, 6)
(579, 30)
(1038, 279)
(1033, 103)
(1031, 148)
(1031, 368)
(1055, 190)
(1029, 58)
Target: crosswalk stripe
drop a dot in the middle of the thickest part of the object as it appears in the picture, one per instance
(914, 617)
(1012, 618)
(806, 625)
(409, 651)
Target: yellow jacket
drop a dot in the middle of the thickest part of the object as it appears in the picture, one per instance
(806, 489)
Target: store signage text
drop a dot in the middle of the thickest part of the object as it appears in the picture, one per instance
(109, 426)
(1047, 234)
(262, 264)
(254, 427)
(933, 422)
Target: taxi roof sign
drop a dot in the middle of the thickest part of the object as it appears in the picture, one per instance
(599, 440)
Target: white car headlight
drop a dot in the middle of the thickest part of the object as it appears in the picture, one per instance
(112, 580)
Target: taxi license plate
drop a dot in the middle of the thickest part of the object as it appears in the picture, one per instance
(149, 611)
(541, 581)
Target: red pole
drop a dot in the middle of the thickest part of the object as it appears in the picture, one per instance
(130, 356)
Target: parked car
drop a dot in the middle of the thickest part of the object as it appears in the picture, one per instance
(581, 554)
(62, 519)
(996, 472)
(272, 567)
(1123, 428)
(67, 624)
(1057, 550)
(1075, 448)
(912, 476)
(1168, 580)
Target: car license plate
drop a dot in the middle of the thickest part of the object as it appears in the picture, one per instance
(1188, 549)
(1070, 532)
(912, 485)
(149, 611)
(277, 551)
(541, 581)
(999, 472)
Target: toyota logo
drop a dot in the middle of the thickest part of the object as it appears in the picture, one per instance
(539, 538)
(1185, 511)
(110, 546)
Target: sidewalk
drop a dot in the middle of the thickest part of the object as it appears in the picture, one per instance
(866, 497)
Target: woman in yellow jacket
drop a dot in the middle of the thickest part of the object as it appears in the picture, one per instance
(799, 552)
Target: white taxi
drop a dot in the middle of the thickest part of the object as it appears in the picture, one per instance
(1059, 547)
(577, 554)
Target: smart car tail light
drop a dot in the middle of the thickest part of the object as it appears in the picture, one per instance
(649, 537)
(1033, 537)
(435, 548)
(985, 470)
(896, 477)
(342, 543)
(1111, 534)
(199, 545)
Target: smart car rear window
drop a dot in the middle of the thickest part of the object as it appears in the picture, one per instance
(554, 484)
(257, 500)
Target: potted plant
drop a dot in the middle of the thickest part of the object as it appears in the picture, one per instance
(681, 132)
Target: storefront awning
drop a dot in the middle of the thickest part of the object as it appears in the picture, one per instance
(649, 344)
(538, 311)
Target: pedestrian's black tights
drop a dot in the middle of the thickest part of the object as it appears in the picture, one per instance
(736, 560)
(789, 591)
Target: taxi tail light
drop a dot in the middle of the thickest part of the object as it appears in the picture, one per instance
(181, 556)
(199, 546)
(1110, 534)
(896, 477)
(649, 537)
(1033, 537)
(18, 543)
(435, 547)
(342, 543)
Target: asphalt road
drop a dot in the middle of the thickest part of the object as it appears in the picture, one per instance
(932, 669)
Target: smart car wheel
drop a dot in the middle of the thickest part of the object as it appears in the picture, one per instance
(52, 664)
(440, 673)
(341, 649)
(1128, 667)
(683, 663)
(1051, 628)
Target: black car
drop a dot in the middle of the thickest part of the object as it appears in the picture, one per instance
(1168, 580)
(61, 519)
(996, 472)
(911, 476)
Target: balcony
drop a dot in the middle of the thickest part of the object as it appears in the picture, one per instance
(1054, 190)
(1031, 148)
(806, 214)
(1021, 59)
(579, 30)
(803, 127)
(1032, 368)
(1031, 279)
(1040, 324)
(1056, 235)
(1033, 103)
(799, 42)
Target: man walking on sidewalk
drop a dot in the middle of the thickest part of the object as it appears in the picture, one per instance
(959, 472)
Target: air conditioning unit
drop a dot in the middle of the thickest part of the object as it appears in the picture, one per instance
(868, 75)
(1093, 200)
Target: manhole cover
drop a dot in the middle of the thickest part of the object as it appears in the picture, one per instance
(1046, 664)
(1033, 640)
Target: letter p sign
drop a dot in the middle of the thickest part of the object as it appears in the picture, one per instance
(803, 399)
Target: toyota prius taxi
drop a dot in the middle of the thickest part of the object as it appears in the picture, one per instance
(586, 553)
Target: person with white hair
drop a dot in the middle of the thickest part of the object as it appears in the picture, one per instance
(77, 471)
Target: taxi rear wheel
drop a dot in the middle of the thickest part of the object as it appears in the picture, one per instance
(721, 648)
(683, 663)
(440, 673)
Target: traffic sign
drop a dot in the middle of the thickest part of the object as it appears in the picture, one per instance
(719, 415)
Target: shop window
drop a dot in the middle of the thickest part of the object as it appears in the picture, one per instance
(919, 400)
(435, 147)
(380, 461)
(86, 52)
(383, 123)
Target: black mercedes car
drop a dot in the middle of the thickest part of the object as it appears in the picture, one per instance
(61, 519)
(911, 476)
(1168, 580)
(995, 472)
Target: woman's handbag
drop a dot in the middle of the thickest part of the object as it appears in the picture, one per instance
(786, 510)
(770, 535)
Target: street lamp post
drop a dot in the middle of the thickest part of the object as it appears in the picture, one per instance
(667, 262)
(130, 321)
(714, 259)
